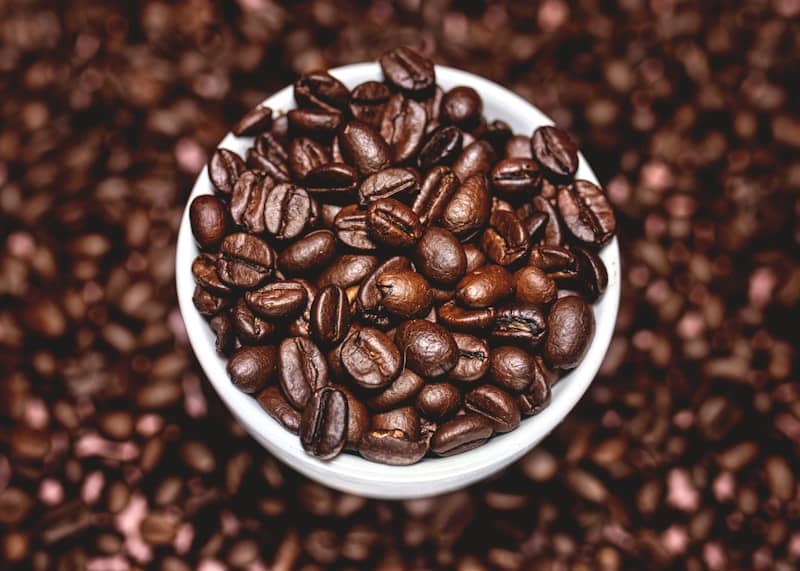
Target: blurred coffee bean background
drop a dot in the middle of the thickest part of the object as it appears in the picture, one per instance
(116, 455)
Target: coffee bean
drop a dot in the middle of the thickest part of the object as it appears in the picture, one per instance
(404, 419)
(335, 182)
(392, 223)
(440, 257)
(429, 349)
(592, 274)
(534, 225)
(485, 287)
(224, 170)
(363, 147)
(519, 323)
(250, 328)
(245, 261)
(251, 368)
(570, 328)
(586, 212)
(457, 318)
(312, 251)
(518, 147)
(272, 401)
(370, 358)
(496, 405)
(516, 177)
(287, 211)
(475, 257)
(392, 447)
(469, 208)
(323, 426)
(222, 326)
(305, 155)
(460, 434)
(318, 124)
(433, 108)
(473, 358)
(513, 368)
(497, 134)
(300, 326)
(368, 101)
(435, 194)
(275, 169)
(405, 294)
(358, 418)
(248, 201)
(389, 183)
(402, 125)
(404, 388)
(204, 271)
(438, 401)
(532, 285)
(557, 262)
(254, 122)
(440, 148)
(555, 151)
(330, 315)
(352, 229)
(369, 296)
(505, 241)
(268, 145)
(477, 158)
(277, 299)
(462, 106)
(321, 90)
(408, 70)
(553, 233)
(208, 220)
(302, 370)
(207, 303)
(534, 398)
(347, 270)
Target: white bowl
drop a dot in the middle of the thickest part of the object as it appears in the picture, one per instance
(349, 472)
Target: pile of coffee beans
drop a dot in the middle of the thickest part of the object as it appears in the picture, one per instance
(390, 272)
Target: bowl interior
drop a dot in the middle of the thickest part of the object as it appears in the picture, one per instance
(349, 472)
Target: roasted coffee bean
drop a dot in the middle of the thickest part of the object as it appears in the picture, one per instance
(518, 147)
(318, 124)
(323, 426)
(405, 294)
(268, 145)
(505, 241)
(520, 323)
(404, 419)
(433, 108)
(204, 270)
(516, 177)
(473, 358)
(305, 155)
(321, 90)
(368, 100)
(460, 434)
(330, 315)
(485, 287)
(224, 170)
(462, 106)
(249, 199)
(347, 270)
(513, 368)
(277, 299)
(222, 326)
(254, 122)
(370, 358)
(457, 318)
(437, 189)
(555, 151)
(475, 257)
(245, 261)
(534, 398)
(469, 208)
(302, 370)
(363, 147)
(570, 329)
(300, 326)
(276, 169)
(402, 390)
(533, 285)
(403, 127)
(440, 148)
(476, 158)
(438, 401)
(273, 402)
(440, 257)
(586, 212)
(429, 349)
(287, 211)
(392, 447)
(388, 183)
(250, 328)
(208, 220)
(328, 213)
(358, 418)
(334, 182)
(207, 303)
(557, 262)
(369, 296)
(309, 253)
(496, 405)
(251, 368)
(592, 274)
(392, 223)
(352, 229)
(537, 225)
(408, 70)
(497, 134)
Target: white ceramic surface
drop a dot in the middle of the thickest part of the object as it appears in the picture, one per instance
(349, 472)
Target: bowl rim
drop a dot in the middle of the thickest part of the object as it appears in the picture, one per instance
(350, 472)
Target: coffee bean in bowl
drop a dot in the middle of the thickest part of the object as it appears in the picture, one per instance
(430, 301)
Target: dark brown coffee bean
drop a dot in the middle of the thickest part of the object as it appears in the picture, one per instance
(328, 213)
(323, 426)
(429, 349)
(515, 177)
(363, 147)
(408, 70)
(570, 329)
(469, 208)
(251, 368)
(207, 303)
(254, 122)
(224, 170)
(309, 253)
(535, 226)
(272, 401)
(389, 183)
(358, 418)
(370, 358)
(477, 158)
(533, 285)
(475, 257)
(300, 326)
(287, 211)
(437, 189)
(505, 241)
(334, 182)
(555, 151)
(460, 434)
(204, 270)
(458, 318)
(347, 270)
(496, 405)
(485, 287)
(404, 294)
(330, 315)
(404, 419)
(392, 223)
(518, 146)
(473, 358)
(250, 328)
(433, 108)
(440, 257)
(302, 370)
(318, 124)
(592, 274)
(352, 229)
(392, 447)
(305, 155)
(245, 261)
(368, 100)
(404, 388)
(586, 212)
(441, 148)
(536, 396)
(513, 368)
(462, 106)
(248, 200)
(520, 323)
(438, 401)
(277, 299)
(369, 296)
(497, 133)
(222, 326)
(403, 127)
(272, 167)
(268, 145)
(208, 220)
(441, 296)
(321, 90)
(557, 262)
